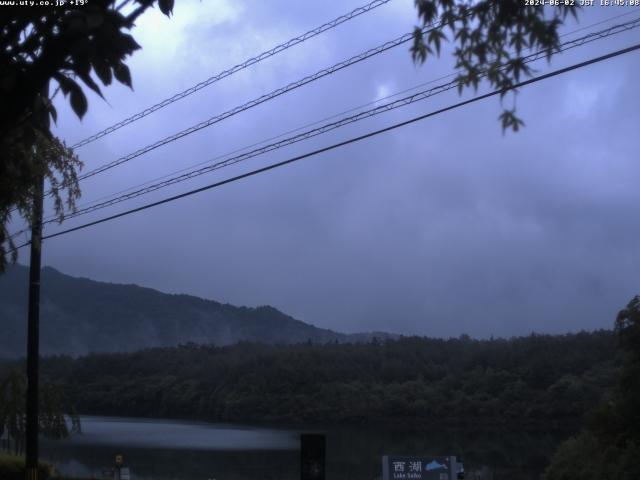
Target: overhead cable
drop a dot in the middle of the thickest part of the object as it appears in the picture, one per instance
(343, 143)
(402, 102)
(230, 71)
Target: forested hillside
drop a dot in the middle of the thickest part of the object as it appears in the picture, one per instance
(540, 379)
(80, 316)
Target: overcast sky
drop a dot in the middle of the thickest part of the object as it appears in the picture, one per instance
(440, 228)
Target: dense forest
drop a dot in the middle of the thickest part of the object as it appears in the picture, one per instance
(539, 380)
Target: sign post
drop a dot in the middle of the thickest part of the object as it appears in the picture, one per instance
(121, 472)
(312, 456)
(398, 467)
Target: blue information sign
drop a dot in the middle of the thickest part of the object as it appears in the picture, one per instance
(419, 468)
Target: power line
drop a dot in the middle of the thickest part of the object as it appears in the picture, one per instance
(346, 142)
(264, 98)
(254, 60)
(238, 109)
(255, 102)
(226, 73)
(402, 102)
(297, 129)
(96, 205)
(563, 47)
(211, 80)
(326, 26)
(606, 20)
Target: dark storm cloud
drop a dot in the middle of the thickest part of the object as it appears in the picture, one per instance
(443, 227)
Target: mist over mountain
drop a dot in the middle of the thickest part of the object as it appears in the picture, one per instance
(80, 316)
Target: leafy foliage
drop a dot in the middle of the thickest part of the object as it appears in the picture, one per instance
(52, 421)
(490, 37)
(588, 457)
(43, 44)
(610, 445)
(47, 157)
(538, 380)
(627, 398)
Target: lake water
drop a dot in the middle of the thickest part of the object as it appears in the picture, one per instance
(168, 450)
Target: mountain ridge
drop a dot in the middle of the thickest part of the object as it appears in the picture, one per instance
(81, 315)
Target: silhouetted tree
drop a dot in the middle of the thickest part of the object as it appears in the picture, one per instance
(610, 445)
(490, 38)
(52, 418)
(60, 44)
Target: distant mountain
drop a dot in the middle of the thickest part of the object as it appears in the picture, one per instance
(80, 316)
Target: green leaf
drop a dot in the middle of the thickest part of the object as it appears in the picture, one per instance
(78, 101)
(86, 78)
(418, 49)
(462, 35)
(103, 71)
(66, 84)
(427, 10)
(122, 74)
(166, 6)
(435, 37)
(509, 120)
(125, 43)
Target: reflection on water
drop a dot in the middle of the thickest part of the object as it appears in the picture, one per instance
(167, 450)
(147, 433)
(163, 450)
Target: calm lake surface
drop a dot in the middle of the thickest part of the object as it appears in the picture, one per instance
(168, 450)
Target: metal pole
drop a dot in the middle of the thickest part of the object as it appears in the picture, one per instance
(453, 468)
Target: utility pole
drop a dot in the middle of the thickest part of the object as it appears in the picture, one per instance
(33, 329)
(33, 334)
